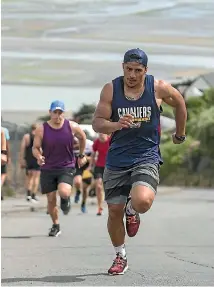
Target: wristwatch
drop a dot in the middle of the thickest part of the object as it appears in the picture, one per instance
(180, 138)
(81, 155)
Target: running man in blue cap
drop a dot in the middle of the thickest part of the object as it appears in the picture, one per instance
(53, 149)
(129, 109)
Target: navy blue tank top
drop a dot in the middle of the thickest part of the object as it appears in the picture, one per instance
(140, 143)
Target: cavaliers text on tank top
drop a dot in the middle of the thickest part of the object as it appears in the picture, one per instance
(140, 143)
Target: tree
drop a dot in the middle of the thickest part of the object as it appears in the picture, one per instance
(202, 126)
(192, 162)
(209, 97)
(44, 118)
(195, 105)
(201, 121)
(174, 155)
(84, 114)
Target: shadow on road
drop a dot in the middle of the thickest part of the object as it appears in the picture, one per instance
(15, 237)
(23, 237)
(53, 279)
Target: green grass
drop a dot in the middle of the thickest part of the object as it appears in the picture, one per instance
(8, 191)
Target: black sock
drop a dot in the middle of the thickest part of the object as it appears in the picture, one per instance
(28, 193)
(56, 225)
(83, 203)
(65, 199)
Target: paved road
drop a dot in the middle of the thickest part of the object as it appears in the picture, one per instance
(175, 246)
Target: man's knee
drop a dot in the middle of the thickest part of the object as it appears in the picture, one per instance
(78, 181)
(142, 198)
(144, 205)
(64, 190)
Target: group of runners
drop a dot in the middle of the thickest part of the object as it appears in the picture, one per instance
(127, 119)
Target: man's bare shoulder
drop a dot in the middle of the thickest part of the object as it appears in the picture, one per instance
(107, 92)
(39, 129)
(161, 84)
(162, 89)
(73, 124)
(26, 136)
(108, 85)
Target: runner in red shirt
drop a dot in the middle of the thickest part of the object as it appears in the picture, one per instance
(100, 148)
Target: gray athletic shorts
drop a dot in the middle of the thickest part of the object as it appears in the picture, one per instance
(118, 184)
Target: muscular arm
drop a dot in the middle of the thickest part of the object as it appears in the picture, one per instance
(80, 135)
(172, 97)
(37, 143)
(101, 121)
(171, 102)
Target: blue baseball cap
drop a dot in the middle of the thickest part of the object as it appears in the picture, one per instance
(57, 105)
(136, 55)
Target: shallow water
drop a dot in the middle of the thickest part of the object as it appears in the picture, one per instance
(82, 42)
(175, 60)
(80, 9)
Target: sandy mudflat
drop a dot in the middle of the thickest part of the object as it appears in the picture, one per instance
(63, 47)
